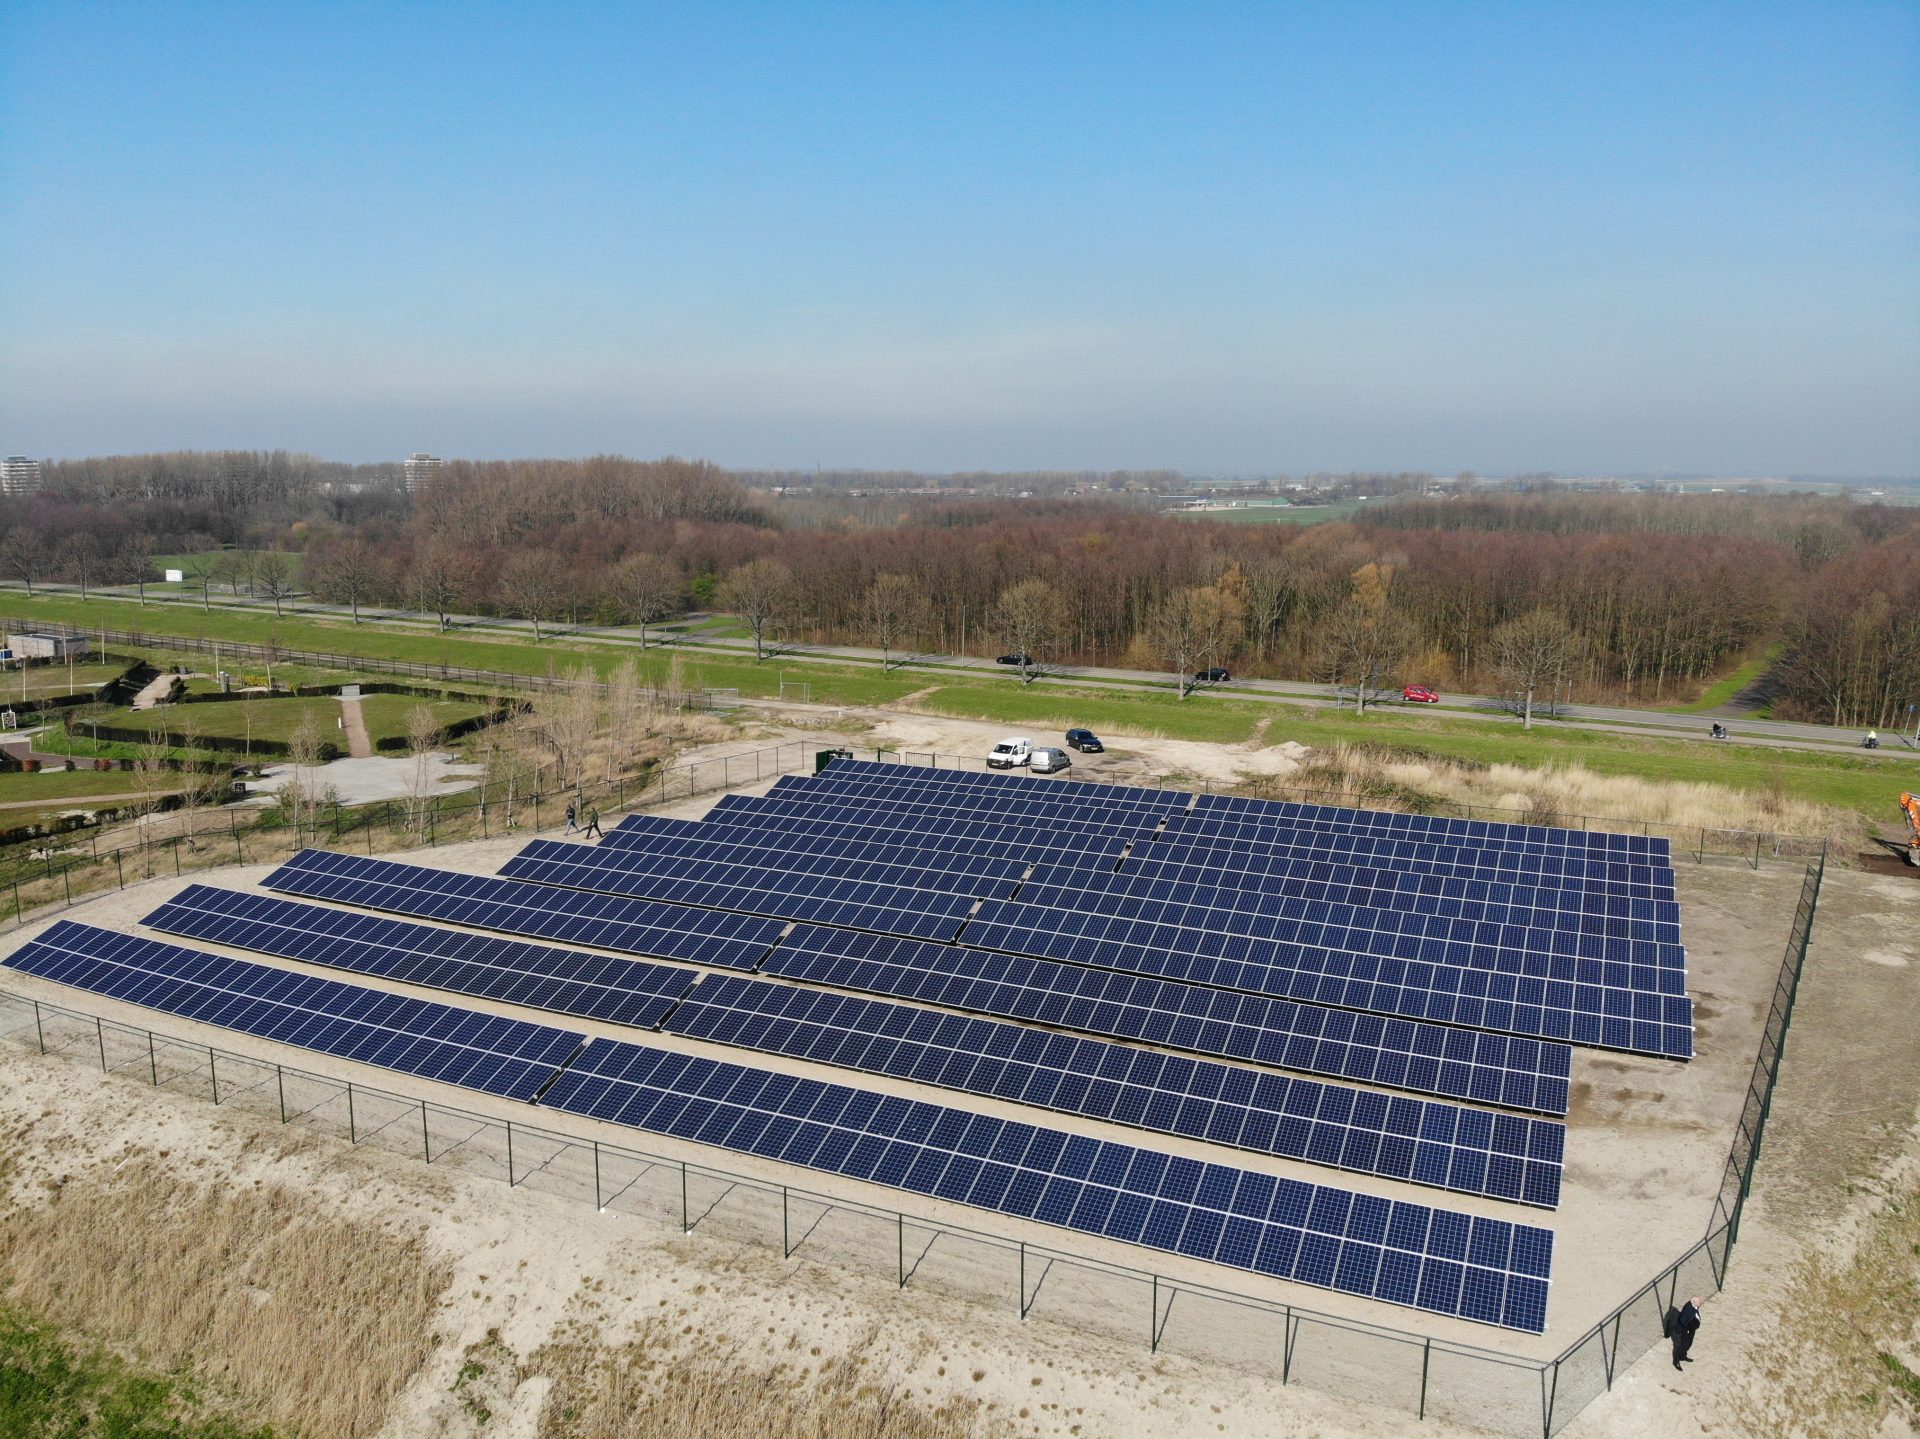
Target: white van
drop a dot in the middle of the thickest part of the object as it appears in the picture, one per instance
(1010, 752)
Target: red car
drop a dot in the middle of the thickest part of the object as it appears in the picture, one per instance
(1419, 695)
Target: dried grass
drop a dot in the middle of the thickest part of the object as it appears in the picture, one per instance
(1383, 777)
(1839, 1360)
(649, 1385)
(318, 1321)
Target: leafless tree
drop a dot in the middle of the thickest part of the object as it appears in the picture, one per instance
(203, 572)
(761, 593)
(1533, 651)
(350, 572)
(894, 608)
(80, 556)
(25, 555)
(302, 794)
(423, 738)
(273, 577)
(1193, 630)
(1028, 616)
(441, 577)
(645, 589)
(624, 698)
(1361, 644)
(568, 715)
(153, 776)
(532, 583)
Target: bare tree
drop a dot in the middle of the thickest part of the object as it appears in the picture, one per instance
(441, 577)
(1361, 644)
(24, 555)
(423, 738)
(273, 577)
(350, 572)
(761, 593)
(302, 792)
(1535, 650)
(1192, 630)
(645, 589)
(152, 774)
(132, 563)
(80, 555)
(1028, 615)
(893, 609)
(532, 583)
(568, 715)
(624, 696)
(203, 572)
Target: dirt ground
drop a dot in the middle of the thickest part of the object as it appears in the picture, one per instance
(1646, 1145)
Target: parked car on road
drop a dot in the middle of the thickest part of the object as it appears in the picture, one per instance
(1018, 657)
(1086, 741)
(1051, 761)
(1218, 675)
(1420, 695)
(1010, 752)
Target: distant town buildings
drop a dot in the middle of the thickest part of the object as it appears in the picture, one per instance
(19, 475)
(421, 468)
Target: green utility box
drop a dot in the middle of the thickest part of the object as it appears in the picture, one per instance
(824, 757)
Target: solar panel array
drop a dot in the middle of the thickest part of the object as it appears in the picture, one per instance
(1232, 938)
(566, 981)
(507, 1057)
(1490, 1270)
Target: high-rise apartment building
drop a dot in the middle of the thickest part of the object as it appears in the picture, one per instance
(421, 468)
(19, 475)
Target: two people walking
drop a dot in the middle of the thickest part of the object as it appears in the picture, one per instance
(591, 828)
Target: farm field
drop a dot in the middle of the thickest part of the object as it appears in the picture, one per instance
(1259, 514)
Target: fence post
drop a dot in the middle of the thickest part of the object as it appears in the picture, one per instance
(66, 878)
(153, 1066)
(353, 1135)
(280, 1084)
(1426, 1362)
(509, 1154)
(39, 1033)
(785, 1251)
(100, 1034)
(685, 1226)
(119, 871)
(1153, 1319)
(596, 1174)
(900, 1253)
(213, 1073)
(426, 1145)
(176, 857)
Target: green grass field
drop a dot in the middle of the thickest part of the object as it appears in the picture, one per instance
(1835, 779)
(1259, 514)
(386, 716)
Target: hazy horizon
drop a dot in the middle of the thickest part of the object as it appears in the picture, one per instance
(1219, 241)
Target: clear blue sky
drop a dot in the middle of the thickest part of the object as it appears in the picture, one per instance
(1221, 238)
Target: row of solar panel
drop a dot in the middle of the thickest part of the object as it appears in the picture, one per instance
(1241, 809)
(895, 805)
(1489, 1270)
(1506, 1156)
(1095, 876)
(1490, 1068)
(1631, 1007)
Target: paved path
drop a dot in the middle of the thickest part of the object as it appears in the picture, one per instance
(359, 746)
(156, 690)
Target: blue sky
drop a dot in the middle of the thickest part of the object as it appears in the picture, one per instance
(1228, 239)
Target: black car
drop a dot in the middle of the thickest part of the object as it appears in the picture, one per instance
(1218, 675)
(1086, 741)
(1016, 658)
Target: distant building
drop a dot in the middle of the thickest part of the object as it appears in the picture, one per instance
(19, 475)
(46, 647)
(422, 468)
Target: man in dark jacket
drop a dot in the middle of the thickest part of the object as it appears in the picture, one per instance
(1685, 1325)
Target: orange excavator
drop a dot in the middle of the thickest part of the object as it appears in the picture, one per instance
(1910, 806)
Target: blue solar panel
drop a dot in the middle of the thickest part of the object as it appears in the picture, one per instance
(1401, 1054)
(566, 981)
(1502, 1156)
(1212, 1212)
(629, 926)
(435, 1041)
(895, 906)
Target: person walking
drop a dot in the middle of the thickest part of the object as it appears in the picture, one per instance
(593, 822)
(1685, 1325)
(571, 814)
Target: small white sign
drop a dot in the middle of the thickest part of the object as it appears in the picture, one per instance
(175, 577)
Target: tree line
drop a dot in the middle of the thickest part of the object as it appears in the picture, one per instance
(1533, 596)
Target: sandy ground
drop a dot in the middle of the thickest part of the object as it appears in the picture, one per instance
(362, 781)
(1647, 1143)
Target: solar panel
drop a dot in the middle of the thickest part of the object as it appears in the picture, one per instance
(508, 1057)
(1503, 1156)
(896, 907)
(1489, 1270)
(1402, 1054)
(566, 981)
(664, 931)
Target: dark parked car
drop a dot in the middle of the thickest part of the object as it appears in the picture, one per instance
(1219, 674)
(1086, 741)
(1016, 658)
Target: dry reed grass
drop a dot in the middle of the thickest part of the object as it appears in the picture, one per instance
(1382, 777)
(317, 1321)
(1840, 1359)
(650, 1385)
